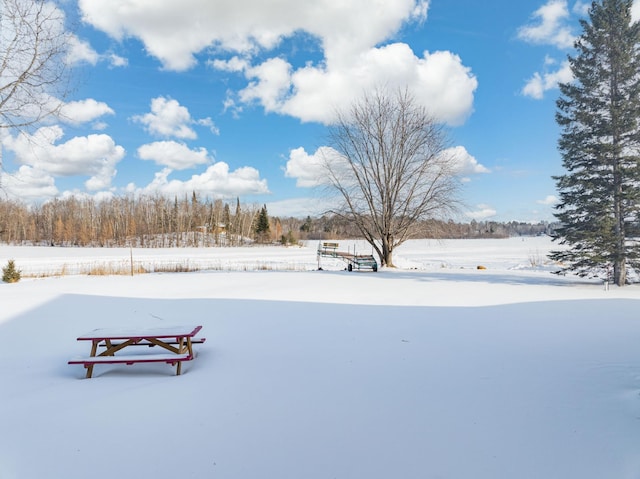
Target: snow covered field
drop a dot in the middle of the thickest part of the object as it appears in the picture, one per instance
(434, 370)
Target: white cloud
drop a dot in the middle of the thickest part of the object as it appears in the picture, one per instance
(465, 163)
(208, 122)
(635, 11)
(355, 58)
(550, 27)
(420, 10)
(170, 119)
(581, 7)
(28, 183)
(216, 182)
(83, 111)
(483, 212)
(539, 83)
(80, 51)
(116, 60)
(270, 84)
(174, 31)
(234, 64)
(548, 200)
(311, 170)
(308, 170)
(94, 155)
(97, 196)
(175, 155)
(438, 80)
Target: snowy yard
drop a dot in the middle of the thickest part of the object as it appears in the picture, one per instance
(433, 370)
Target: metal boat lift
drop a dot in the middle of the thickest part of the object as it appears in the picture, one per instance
(353, 260)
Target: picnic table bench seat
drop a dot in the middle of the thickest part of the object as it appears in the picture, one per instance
(132, 358)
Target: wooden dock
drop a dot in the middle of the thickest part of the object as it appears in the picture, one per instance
(354, 261)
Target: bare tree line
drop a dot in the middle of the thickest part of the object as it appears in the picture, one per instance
(148, 221)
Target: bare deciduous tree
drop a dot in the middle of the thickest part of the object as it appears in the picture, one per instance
(391, 170)
(33, 45)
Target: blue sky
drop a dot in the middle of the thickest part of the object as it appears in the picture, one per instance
(233, 98)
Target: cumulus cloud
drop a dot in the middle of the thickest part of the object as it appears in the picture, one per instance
(311, 170)
(540, 83)
(83, 111)
(28, 183)
(216, 182)
(437, 80)
(117, 60)
(548, 200)
(174, 31)
(94, 155)
(234, 64)
(552, 29)
(354, 58)
(308, 170)
(270, 83)
(170, 119)
(175, 155)
(481, 213)
(465, 164)
(549, 26)
(80, 51)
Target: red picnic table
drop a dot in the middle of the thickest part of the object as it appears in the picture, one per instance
(175, 341)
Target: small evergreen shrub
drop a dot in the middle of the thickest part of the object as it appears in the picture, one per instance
(9, 273)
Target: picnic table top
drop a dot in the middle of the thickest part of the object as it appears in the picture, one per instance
(143, 333)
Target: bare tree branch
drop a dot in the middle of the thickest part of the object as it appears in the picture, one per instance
(33, 42)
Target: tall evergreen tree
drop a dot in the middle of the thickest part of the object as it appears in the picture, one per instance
(262, 227)
(226, 216)
(599, 114)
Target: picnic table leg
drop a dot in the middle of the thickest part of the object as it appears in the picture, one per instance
(179, 363)
(190, 347)
(94, 348)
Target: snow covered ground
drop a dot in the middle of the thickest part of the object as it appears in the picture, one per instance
(433, 370)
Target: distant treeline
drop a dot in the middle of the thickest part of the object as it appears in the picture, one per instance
(332, 227)
(156, 221)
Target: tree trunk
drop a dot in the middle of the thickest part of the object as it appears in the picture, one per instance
(619, 272)
(387, 253)
(620, 261)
